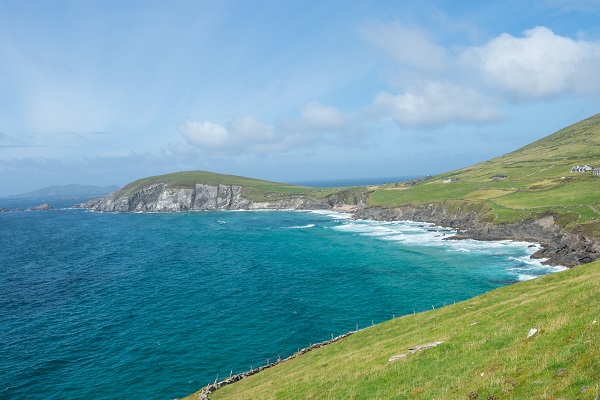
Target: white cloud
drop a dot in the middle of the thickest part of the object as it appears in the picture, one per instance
(253, 131)
(435, 104)
(322, 116)
(238, 136)
(539, 64)
(408, 46)
(317, 123)
(436, 85)
(205, 134)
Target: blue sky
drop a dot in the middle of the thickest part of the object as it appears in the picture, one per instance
(105, 92)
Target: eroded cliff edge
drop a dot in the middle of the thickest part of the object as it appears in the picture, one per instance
(160, 197)
(559, 247)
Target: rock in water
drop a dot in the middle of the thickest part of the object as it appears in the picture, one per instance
(44, 206)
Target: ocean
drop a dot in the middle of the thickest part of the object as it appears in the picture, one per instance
(106, 306)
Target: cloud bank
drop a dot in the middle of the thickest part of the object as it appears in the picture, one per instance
(430, 86)
(538, 65)
(316, 122)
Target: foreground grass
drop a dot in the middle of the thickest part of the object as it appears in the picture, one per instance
(485, 355)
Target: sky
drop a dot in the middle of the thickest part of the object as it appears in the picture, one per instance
(106, 92)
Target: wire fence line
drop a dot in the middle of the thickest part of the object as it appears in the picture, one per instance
(212, 387)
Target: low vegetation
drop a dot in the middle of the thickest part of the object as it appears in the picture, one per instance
(253, 189)
(486, 353)
(527, 182)
(537, 339)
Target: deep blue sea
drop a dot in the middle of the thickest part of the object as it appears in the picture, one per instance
(105, 306)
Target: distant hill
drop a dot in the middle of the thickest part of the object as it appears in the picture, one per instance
(525, 183)
(68, 191)
(202, 190)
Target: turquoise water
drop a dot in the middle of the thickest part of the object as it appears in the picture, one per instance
(156, 305)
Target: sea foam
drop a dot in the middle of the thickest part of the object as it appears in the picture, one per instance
(419, 234)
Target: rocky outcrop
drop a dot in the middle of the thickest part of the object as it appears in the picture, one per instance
(161, 197)
(559, 247)
(349, 197)
(41, 207)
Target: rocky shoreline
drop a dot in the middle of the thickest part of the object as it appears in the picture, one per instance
(160, 197)
(558, 246)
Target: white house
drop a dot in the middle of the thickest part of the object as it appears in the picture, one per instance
(584, 168)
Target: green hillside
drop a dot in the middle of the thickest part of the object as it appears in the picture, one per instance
(253, 189)
(527, 182)
(486, 353)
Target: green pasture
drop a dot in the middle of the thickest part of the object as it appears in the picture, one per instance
(538, 179)
(253, 189)
(486, 353)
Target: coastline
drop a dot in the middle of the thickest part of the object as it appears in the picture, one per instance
(212, 387)
(352, 213)
(558, 247)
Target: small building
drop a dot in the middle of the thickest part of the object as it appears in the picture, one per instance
(581, 168)
(596, 171)
(497, 177)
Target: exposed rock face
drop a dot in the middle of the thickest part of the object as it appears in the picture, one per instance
(162, 198)
(558, 246)
(2, 210)
(44, 206)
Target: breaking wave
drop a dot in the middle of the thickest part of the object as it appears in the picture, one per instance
(513, 257)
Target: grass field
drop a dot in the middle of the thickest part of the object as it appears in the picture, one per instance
(486, 353)
(253, 189)
(538, 180)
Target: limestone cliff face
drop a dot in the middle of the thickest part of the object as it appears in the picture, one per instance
(559, 246)
(160, 197)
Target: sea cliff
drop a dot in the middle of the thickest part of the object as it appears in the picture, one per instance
(161, 197)
(559, 247)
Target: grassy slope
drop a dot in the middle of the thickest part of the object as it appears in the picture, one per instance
(538, 180)
(254, 189)
(491, 359)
